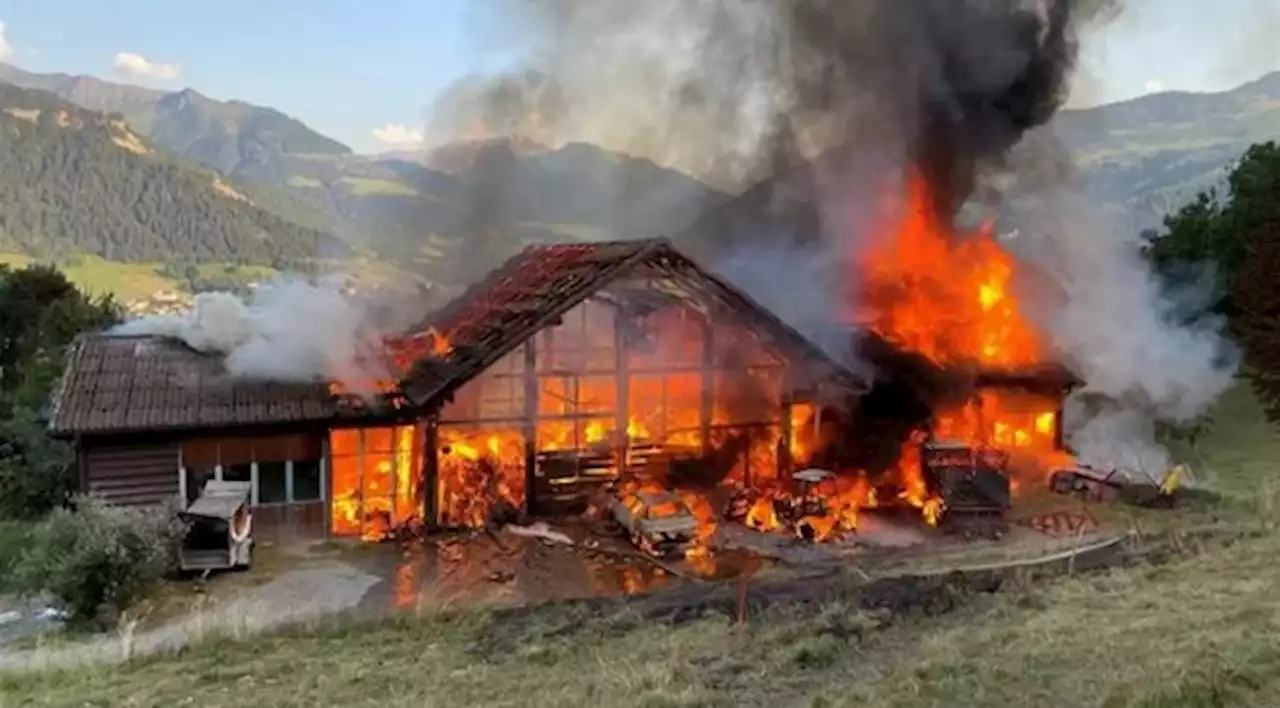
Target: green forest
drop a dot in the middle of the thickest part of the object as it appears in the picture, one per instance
(78, 182)
(1232, 235)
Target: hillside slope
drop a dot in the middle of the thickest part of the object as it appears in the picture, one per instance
(260, 146)
(1146, 157)
(409, 207)
(1138, 159)
(232, 137)
(78, 181)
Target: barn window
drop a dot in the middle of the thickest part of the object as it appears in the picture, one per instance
(273, 482)
(283, 469)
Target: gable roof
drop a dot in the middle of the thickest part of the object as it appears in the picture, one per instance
(541, 283)
(120, 384)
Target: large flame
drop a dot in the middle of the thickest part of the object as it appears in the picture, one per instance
(942, 294)
(376, 480)
(923, 286)
(950, 297)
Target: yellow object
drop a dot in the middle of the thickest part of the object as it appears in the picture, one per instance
(1172, 479)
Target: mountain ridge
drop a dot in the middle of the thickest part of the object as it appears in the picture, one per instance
(78, 181)
(409, 208)
(1145, 157)
(1138, 159)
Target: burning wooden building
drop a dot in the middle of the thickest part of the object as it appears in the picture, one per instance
(562, 370)
(570, 368)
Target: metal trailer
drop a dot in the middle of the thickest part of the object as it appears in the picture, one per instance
(220, 533)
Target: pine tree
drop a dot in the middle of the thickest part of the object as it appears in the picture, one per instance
(1253, 216)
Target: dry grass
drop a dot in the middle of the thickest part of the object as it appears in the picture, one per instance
(1199, 630)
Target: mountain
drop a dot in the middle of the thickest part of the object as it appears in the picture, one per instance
(1138, 160)
(418, 209)
(233, 137)
(582, 190)
(459, 156)
(77, 182)
(277, 158)
(1146, 157)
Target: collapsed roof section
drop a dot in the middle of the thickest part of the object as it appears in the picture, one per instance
(543, 282)
(121, 384)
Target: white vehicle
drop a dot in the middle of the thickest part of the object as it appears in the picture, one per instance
(659, 522)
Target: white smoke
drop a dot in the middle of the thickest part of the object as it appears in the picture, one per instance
(802, 299)
(1147, 354)
(1116, 438)
(289, 330)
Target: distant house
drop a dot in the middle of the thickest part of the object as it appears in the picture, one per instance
(566, 367)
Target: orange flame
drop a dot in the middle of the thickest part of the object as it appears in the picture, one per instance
(376, 475)
(478, 469)
(945, 295)
(949, 296)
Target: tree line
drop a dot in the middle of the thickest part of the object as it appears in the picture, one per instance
(1235, 231)
(41, 313)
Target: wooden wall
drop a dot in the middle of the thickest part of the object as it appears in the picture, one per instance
(146, 472)
(132, 474)
(290, 522)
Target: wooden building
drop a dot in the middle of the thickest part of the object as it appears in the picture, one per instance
(565, 367)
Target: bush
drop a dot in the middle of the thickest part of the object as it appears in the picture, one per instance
(96, 560)
(13, 540)
(37, 473)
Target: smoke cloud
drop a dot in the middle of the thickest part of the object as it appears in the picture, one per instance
(823, 101)
(831, 102)
(291, 331)
(1148, 353)
(709, 86)
(1251, 46)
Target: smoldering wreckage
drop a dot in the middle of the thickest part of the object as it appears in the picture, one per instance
(625, 390)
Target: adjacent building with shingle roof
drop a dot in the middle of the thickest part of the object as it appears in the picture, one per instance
(117, 385)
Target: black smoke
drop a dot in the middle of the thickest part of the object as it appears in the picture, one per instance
(807, 109)
(742, 89)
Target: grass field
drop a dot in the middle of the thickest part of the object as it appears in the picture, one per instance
(126, 281)
(13, 535)
(365, 186)
(1199, 630)
(139, 281)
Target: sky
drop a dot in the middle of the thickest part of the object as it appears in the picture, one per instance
(365, 72)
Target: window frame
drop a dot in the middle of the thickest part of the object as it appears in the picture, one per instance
(255, 481)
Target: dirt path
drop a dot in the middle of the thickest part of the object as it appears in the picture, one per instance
(293, 596)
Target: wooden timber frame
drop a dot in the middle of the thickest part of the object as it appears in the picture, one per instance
(516, 311)
(138, 458)
(622, 373)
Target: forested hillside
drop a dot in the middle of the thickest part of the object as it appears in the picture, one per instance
(77, 181)
(1137, 159)
(1145, 158)
(417, 209)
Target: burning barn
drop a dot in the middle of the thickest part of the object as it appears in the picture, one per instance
(573, 373)
(574, 368)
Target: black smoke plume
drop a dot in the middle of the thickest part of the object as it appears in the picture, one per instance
(734, 90)
(810, 111)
